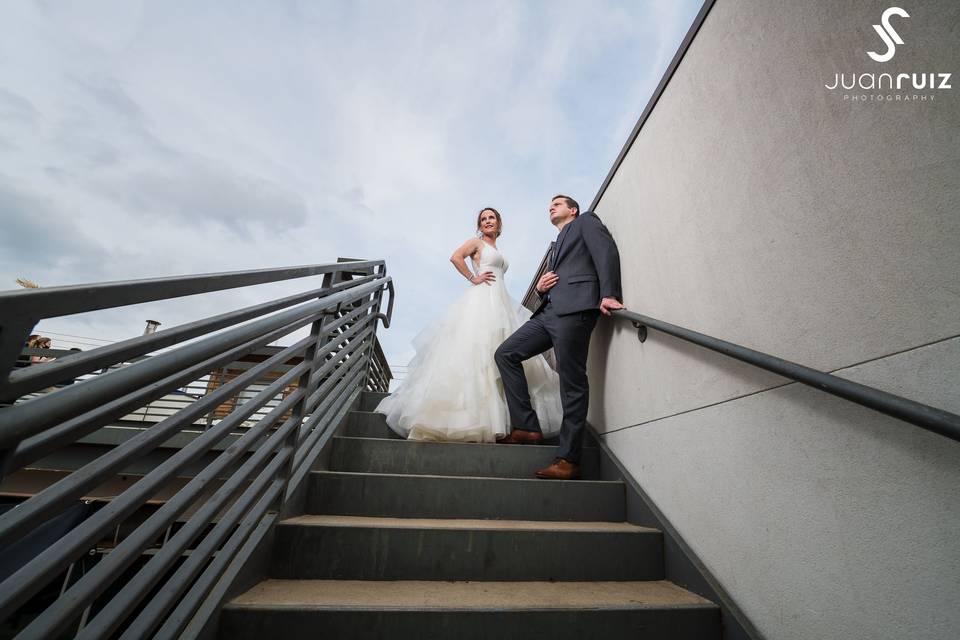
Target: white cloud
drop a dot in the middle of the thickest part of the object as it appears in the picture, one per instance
(171, 137)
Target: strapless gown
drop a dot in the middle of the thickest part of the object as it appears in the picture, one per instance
(453, 390)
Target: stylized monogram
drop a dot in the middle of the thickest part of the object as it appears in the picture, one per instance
(887, 34)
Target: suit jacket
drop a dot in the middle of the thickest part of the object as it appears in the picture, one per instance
(586, 259)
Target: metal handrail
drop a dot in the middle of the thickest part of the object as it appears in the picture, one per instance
(73, 364)
(24, 308)
(237, 489)
(930, 418)
(937, 420)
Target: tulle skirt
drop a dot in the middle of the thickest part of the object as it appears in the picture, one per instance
(453, 390)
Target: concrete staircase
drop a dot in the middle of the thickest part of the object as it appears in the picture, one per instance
(440, 540)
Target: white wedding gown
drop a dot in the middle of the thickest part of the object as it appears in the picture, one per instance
(453, 390)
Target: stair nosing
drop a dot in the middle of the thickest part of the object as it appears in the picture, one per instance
(421, 475)
(466, 524)
(454, 442)
(373, 588)
(484, 609)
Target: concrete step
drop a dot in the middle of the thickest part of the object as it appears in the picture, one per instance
(424, 496)
(366, 424)
(364, 548)
(470, 610)
(372, 455)
(370, 399)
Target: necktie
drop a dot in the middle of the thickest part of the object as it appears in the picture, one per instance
(556, 248)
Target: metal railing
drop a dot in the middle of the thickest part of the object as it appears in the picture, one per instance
(931, 418)
(170, 563)
(174, 401)
(380, 373)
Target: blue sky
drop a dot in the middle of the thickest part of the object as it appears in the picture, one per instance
(142, 138)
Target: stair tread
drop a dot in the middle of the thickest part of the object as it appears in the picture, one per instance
(436, 595)
(399, 495)
(453, 443)
(449, 477)
(396, 455)
(464, 524)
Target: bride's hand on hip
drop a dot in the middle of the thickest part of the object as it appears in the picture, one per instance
(485, 277)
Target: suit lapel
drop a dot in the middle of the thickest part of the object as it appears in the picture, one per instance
(558, 246)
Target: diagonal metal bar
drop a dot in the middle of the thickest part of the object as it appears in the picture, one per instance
(94, 582)
(114, 612)
(28, 379)
(308, 450)
(181, 616)
(230, 497)
(23, 309)
(152, 614)
(110, 567)
(53, 301)
(20, 586)
(32, 417)
(176, 621)
(67, 432)
(310, 432)
(33, 511)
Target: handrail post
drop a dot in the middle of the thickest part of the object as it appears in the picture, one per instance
(14, 332)
(19, 329)
(382, 271)
(9, 352)
(641, 330)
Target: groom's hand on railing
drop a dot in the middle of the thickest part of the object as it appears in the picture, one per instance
(610, 304)
(547, 282)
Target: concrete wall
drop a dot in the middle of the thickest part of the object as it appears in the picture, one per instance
(759, 207)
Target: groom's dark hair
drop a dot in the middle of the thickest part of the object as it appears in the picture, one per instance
(570, 202)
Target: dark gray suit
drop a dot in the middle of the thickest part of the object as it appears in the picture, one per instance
(586, 259)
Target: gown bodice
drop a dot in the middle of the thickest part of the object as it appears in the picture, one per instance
(491, 260)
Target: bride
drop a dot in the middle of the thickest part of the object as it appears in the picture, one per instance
(453, 390)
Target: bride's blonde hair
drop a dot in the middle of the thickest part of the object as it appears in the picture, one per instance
(496, 214)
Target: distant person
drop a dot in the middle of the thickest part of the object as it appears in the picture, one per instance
(23, 360)
(40, 342)
(583, 282)
(452, 391)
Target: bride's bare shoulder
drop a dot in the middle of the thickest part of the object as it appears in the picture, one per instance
(469, 248)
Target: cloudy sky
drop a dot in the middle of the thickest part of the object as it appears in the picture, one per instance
(147, 138)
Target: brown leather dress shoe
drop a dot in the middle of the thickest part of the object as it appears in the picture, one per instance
(560, 470)
(522, 436)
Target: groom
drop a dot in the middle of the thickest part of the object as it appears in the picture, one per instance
(583, 281)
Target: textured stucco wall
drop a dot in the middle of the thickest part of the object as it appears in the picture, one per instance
(758, 207)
